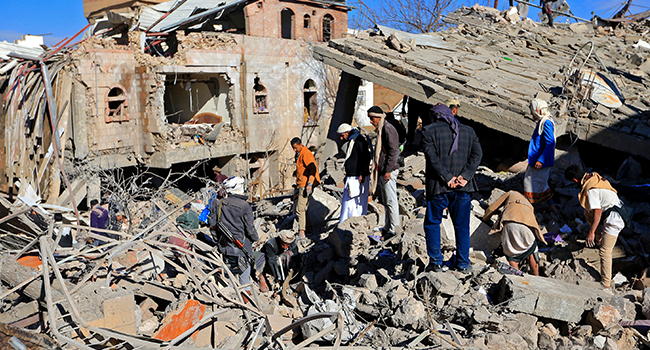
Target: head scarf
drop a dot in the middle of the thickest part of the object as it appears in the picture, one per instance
(442, 112)
(539, 110)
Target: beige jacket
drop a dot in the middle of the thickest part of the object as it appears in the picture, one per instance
(516, 208)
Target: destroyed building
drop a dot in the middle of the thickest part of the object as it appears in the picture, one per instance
(159, 84)
(152, 284)
(596, 79)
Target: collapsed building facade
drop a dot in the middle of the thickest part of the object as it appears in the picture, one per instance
(156, 85)
(596, 79)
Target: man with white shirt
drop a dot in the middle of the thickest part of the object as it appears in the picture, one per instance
(602, 207)
(357, 172)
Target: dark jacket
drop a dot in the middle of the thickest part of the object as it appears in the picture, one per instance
(359, 161)
(272, 250)
(441, 167)
(389, 149)
(237, 216)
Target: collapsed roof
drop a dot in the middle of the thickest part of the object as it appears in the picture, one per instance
(595, 78)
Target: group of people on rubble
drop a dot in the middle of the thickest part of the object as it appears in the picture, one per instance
(453, 154)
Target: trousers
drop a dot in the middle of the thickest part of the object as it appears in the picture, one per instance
(389, 197)
(459, 204)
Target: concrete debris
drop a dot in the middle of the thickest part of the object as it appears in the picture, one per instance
(152, 278)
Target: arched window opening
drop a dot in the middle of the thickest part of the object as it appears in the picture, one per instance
(310, 102)
(116, 105)
(286, 19)
(259, 92)
(328, 23)
(307, 22)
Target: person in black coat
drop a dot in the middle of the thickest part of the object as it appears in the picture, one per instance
(453, 154)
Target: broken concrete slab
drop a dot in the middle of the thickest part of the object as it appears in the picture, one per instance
(547, 297)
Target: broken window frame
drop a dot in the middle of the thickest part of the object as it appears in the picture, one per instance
(306, 21)
(260, 100)
(119, 113)
(328, 24)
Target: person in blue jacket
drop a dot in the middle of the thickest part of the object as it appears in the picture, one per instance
(541, 156)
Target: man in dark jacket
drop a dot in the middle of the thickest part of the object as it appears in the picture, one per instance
(388, 169)
(237, 216)
(453, 153)
(282, 255)
(357, 172)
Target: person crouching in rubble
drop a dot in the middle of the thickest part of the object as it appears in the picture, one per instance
(541, 156)
(189, 220)
(306, 178)
(602, 207)
(519, 229)
(282, 255)
(357, 172)
(236, 215)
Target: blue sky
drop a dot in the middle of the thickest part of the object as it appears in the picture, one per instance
(64, 18)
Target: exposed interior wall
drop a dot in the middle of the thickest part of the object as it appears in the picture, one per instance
(189, 95)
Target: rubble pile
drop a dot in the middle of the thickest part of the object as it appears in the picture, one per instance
(613, 97)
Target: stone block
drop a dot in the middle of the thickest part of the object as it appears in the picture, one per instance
(119, 314)
(368, 281)
(550, 298)
(642, 129)
(603, 316)
(480, 238)
(411, 312)
(322, 208)
(158, 292)
(443, 283)
(147, 307)
(19, 312)
(350, 238)
(524, 325)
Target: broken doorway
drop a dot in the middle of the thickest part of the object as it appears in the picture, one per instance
(202, 97)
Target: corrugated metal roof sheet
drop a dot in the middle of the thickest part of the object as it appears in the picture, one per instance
(6, 48)
(150, 15)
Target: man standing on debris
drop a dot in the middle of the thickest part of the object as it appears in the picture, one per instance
(98, 219)
(546, 9)
(306, 178)
(541, 156)
(236, 215)
(519, 229)
(453, 153)
(387, 167)
(602, 207)
(282, 255)
(357, 172)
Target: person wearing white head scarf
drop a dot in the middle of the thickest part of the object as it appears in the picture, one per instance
(541, 155)
(357, 172)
